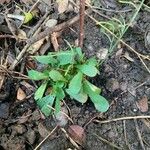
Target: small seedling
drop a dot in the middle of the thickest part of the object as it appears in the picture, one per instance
(66, 74)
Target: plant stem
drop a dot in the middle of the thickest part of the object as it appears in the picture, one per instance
(82, 15)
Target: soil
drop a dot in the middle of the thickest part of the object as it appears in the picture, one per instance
(124, 83)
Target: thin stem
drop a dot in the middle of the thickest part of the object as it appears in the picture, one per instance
(82, 15)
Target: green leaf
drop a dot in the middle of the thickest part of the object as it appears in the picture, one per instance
(60, 93)
(57, 105)
(100, 103)
(60, 84)
(56, 76)
(88, 69)
(80, 97)
(35, 75)
(66, 57)
(47, 59)
(94, 88)
(47, 100)
(76, 83)
(46, 110)
(92, 61)
(28, 16)
(40, 91)
(79, 53)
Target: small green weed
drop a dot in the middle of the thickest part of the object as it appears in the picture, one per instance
(66, 74)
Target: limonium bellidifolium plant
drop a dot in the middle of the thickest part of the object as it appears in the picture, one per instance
(66, 74)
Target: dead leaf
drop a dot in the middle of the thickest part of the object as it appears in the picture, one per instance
(77, 133)
(21, 35)
(62, 5)
(27, 85)
(36, 46)
(142, 104)
(20, 94)
(119, 52)
(76, 42)
(54, 40)
(126, 55)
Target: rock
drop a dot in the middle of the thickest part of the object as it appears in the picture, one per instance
(31, 136)
(112, 85)
(51, 23)
(20, 129)
(4, 110)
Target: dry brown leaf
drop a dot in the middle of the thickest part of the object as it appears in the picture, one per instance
(20, 94)
(55, 41)
(36, 46)
(27, 85)
(142, 104)
(62, 5)
(22, 35)
(77, 133)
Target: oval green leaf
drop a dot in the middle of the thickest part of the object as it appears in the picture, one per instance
(56, 76)
(88, 69)
(94, 88)
(100, 103)
(40, 91)
(36, 75)
(80, 97)
(76, 83)
(47, 59)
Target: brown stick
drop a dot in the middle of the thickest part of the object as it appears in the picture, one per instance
(139, 134)
(82, 16)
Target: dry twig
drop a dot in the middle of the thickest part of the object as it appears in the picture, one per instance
(82, 15)
(107, 142)
(123, 118)
(139, 134)
(37, 147)
(70, 139)
(125, 134)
